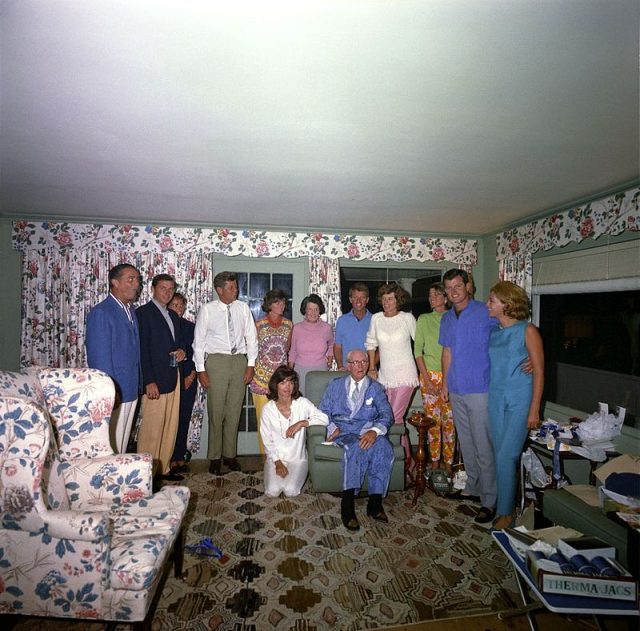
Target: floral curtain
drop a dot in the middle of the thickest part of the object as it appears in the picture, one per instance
(610, 215)
(66, 266)
(518, 269)
(253, 243)
(324, 280)
(61, 287)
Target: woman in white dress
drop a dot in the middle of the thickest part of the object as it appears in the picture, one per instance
(390, 333)
(284, 418)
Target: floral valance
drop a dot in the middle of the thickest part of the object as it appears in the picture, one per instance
(610, 215)
(232, 242)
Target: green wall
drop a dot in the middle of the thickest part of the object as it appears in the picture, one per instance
(486, 272)
(10, 310)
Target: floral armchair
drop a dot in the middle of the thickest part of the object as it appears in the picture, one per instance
(81, 534)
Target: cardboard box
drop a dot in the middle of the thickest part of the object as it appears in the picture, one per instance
(588, 547)
(551, 580)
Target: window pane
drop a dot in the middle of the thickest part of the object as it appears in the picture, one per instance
(242, 286)
(258, 285)
(284, 282)
(256, 308)
(252, 425)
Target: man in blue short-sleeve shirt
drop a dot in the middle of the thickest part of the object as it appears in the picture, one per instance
(464, 335)
(352, 327)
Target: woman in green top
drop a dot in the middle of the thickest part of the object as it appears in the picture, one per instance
(428, 353)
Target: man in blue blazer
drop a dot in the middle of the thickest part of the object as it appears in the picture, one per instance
(113, 346)
(161, 350)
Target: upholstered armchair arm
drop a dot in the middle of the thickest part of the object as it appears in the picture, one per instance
(77, 526)
(108, 480)
(316, 434)
(395, 433)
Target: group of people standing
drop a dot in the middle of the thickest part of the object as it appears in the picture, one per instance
(146, 350)
(479, 368)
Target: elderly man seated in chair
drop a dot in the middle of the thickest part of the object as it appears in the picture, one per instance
(359, 417)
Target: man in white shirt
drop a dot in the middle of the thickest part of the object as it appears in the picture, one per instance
(225, 347)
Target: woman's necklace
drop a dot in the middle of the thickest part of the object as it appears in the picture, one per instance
(284, 407)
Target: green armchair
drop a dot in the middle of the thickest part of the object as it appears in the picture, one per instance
(325, 461)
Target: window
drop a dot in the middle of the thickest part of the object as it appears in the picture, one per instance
(252, 287)
(586, 301)
(415, 280)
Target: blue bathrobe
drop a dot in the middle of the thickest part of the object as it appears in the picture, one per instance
(371, 410)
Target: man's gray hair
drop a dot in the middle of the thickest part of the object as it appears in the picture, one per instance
(356, 350)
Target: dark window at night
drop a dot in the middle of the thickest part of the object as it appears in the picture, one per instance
(593, 330)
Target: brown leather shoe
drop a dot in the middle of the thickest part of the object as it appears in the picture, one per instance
(232, 464)
(215, 467)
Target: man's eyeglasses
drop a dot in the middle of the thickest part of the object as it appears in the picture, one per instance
(358, 362)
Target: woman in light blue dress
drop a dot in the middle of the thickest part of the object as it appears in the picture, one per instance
(514, 396)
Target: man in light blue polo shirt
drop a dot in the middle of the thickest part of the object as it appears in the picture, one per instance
(464, 335)
(352, 327)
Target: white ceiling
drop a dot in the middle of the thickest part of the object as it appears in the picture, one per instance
(436, 116)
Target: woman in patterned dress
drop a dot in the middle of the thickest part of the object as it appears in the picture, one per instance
(274, 338)
(442, 435)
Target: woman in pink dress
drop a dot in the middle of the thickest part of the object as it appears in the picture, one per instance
(311, 340)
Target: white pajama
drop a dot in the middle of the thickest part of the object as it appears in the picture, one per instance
(291, 451)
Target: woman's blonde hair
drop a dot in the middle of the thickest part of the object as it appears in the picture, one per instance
(514, 299)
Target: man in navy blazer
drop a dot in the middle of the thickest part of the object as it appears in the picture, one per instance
(113, 346)
(161, 350)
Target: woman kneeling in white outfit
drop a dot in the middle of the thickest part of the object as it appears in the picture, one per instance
(282, 425)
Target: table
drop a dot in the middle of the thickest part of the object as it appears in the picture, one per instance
(556, 603)
(546, 457)
(422, 423)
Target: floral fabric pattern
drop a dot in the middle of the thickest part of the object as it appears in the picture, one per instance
(610, 215)
(103, 558)
(273, 345)
(65, 269)
(126, 238)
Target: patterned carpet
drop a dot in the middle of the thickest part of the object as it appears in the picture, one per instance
(289, 564)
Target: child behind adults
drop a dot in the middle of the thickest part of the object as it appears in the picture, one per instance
(282, 425)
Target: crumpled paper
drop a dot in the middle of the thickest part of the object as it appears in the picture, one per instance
(601, 425)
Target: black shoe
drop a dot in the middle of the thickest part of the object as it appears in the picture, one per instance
(171, 477)
(348, 512)
(215, 466)
(351, 524)
(375, 510)
(458, 495)
(485, 515)
(232, 464)
(379, 516)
